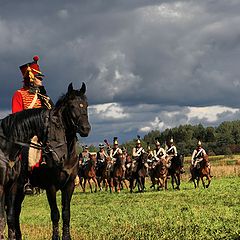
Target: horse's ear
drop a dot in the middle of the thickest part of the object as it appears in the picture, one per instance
(70, 88)
(83, 88)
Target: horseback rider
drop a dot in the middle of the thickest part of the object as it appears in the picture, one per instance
(138, 149)
(101, 155)
(171, 152)
(31, 95)
(84, 156)
(124, 161)
(115, 149)
(158, 152)
(149, 152)
(198, 154)
(197, 157)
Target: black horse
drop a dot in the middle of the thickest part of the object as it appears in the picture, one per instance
(56, 131)
(175, 170)
(139, 170)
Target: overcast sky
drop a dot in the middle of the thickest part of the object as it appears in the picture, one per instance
(147, 64)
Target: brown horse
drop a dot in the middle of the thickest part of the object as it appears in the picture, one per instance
(159, 174)
(117, 174)
(200, 171)
(88, 173)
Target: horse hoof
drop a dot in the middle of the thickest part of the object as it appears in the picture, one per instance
(66, 238)
(55, 238)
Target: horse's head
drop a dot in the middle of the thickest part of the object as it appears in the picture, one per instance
(144, 157)
(74, 109)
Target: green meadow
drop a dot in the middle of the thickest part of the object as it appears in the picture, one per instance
(190, 213)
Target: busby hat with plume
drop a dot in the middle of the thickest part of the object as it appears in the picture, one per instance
(31, 70)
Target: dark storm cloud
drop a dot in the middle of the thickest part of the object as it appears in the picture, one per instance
(172, 53)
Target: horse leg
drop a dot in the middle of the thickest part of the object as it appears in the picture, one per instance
(143, 183)
(119, 184)
(90, 185)
(55, 216)
(95, 182)
(106, 184)
(18, 203)
(153, 182)
(198, 179)
(125, 183)
(209, 181)
(131, 184)
(66, 200)
(203, 183)
(99, 181)
(165, 183)
(10, 209)
(140, 180)
(159, 184)
(172, 180)
(194, 181)
(178, 181)
(81, 182)
(84, 184)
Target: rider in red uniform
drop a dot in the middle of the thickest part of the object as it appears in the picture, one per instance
(31, 95)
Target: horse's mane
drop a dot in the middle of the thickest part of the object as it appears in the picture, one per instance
(62, 99)
(22, 126)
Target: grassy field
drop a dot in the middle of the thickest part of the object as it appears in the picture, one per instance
(212, 213)
(190, 213)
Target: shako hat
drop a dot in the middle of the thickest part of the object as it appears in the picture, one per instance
(157, 143)
(138, 139)
(115, 141)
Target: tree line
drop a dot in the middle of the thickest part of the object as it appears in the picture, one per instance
(221, 140)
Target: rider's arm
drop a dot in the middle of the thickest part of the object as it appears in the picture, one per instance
(193, 155)
(111, 153)
(134, 153)
(175, 151)
(17, 102)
